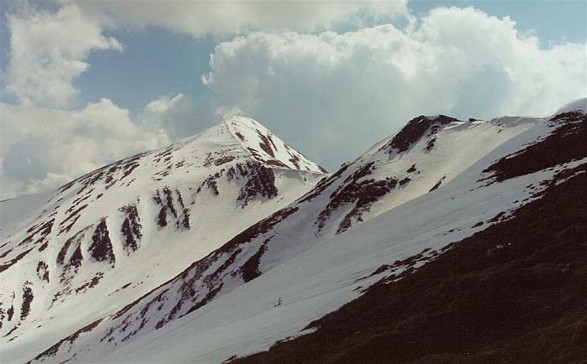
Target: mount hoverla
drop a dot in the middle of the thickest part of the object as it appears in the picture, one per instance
(452, 241)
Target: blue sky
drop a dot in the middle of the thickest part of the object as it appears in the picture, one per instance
(550, 20)
(158, 61)
(155, 62)
(146, 64)
(330, 78)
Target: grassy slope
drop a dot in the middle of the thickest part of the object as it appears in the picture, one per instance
(513, 293)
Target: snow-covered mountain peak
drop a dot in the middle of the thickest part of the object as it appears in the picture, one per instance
(264, 146)
(97, 237)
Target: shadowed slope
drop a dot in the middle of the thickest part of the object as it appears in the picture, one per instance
(512, 293)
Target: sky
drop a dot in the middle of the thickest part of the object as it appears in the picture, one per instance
(83, 84)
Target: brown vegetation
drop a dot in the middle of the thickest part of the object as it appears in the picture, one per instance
(513, 293)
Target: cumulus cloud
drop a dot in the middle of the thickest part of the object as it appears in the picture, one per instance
(330, 94)
(232, 17)
(334, 94)
(179, 116)
(48, 50)
(42, 148)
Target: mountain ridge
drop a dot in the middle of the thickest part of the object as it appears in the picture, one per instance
(331, 242)
(115, 217)
(293, 159)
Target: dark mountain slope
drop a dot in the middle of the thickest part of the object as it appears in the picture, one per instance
(513, 293)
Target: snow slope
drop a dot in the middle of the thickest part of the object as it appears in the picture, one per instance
(315, 281)
(14, 211)
(107, 238)
(577, 105)
(403, 201)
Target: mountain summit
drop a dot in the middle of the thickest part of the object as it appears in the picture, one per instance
(120, 231)
(266, 147)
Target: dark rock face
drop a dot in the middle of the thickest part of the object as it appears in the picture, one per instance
(269, 147)
(75, 260)
(240, 136)
(565, 144)
(404, 181)
(10, 312)
(435, 187)
(131, 228)
(250, 270)
(414, 130)
(70, 339)
(43, 271)
(267, 144)
(223, 160)
(171, 202)
(166, 203)
(430, 143)
(185, 220)
(76, 257)
(261, 183)
(101, 247)
(362, 193)
(27, 300)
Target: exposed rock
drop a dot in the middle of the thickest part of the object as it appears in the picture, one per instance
(435, 187)
(261, 183)
(414, 130)
(565, 144)
(27, 300)
(521, 303)
(250, 270)
(43, 271)
(131, 228)
(101, 247)
(358, 191)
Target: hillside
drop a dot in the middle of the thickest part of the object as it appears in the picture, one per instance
(114, 234)
(448, 241)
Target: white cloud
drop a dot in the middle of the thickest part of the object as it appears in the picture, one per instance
(232, 17)
(48, 50)
(329, 94)
(42, 148)
(332, 95)
(179, 116)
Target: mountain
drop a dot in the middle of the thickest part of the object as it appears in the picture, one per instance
(511, 292)
(390, 225)
(118, 232)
